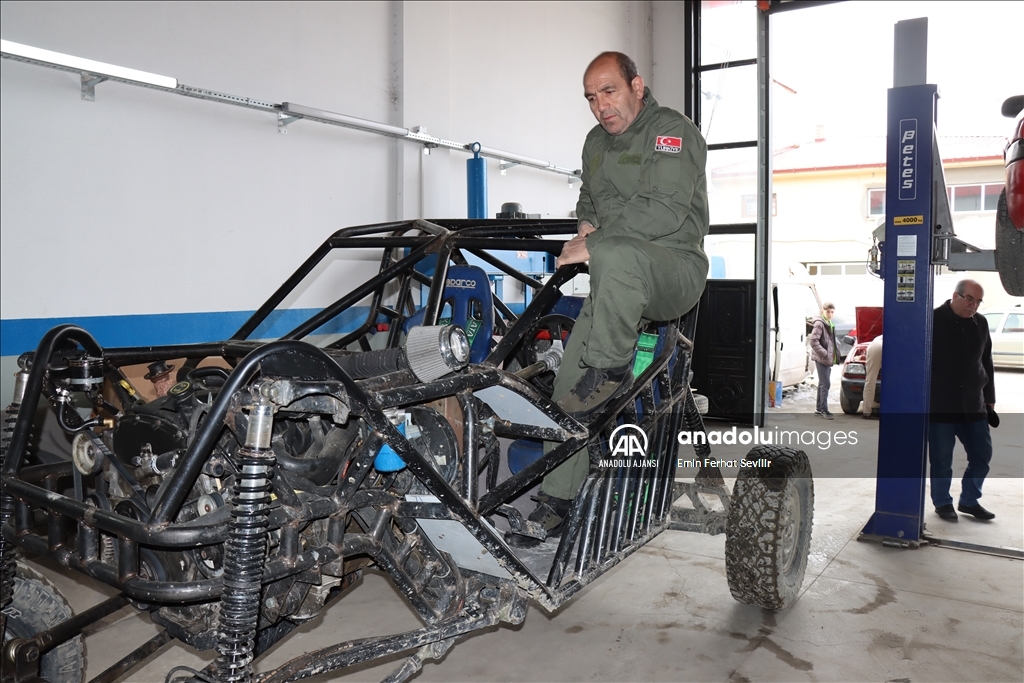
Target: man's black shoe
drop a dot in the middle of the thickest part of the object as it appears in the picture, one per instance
(550, 514)
(947, 513)
(976, 510)
(595, 389)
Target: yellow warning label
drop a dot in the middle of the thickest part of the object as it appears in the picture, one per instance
(908, 220)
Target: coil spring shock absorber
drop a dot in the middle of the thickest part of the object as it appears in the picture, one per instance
(694, 423)
(706, 476)
(245, 549)
(7, 565)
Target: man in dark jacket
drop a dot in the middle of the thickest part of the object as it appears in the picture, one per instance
(825, 354)
(963, 398)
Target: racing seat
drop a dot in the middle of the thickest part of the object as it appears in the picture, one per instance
(466, 302)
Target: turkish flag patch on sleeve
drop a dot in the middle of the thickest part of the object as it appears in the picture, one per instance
(667, 143)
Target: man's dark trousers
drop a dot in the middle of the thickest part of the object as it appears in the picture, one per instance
(977, 442)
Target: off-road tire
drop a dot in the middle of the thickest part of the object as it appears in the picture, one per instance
(768, 529)
(1009, 250)
(36, 607)
(848, 404)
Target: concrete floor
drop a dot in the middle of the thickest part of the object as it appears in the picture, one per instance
(866, 612)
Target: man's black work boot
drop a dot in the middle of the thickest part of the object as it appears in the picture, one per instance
(596, 388)
(550, 514)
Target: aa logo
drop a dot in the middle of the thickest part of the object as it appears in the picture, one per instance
(628, 441)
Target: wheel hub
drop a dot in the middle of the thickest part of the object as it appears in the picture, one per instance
(790, 518)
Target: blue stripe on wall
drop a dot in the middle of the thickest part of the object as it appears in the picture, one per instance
(23, 334)
(20, 335)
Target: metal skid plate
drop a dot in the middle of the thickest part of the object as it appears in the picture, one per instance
(451, 537)
(508, 405)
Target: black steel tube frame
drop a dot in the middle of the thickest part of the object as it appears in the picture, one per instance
(118, 669)
(474, 617)
(606, 524)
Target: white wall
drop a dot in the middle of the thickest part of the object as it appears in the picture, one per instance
(143, 202)
(169, 204)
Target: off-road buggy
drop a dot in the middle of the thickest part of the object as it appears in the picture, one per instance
(400, 427)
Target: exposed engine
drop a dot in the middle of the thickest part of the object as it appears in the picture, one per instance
(128, 454)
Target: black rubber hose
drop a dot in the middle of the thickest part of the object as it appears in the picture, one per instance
(211, 371)
(322, 468)
(373, 363)
(34, 387)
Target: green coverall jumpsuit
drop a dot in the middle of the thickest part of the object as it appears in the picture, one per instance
(646, 193)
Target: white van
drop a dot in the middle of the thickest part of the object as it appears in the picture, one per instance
(793, 306)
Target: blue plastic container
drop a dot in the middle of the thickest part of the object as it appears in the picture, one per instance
(524, 452)
(387, 460)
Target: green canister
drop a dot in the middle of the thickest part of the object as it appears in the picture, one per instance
(644, 352)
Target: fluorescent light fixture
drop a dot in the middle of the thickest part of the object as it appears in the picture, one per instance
(27, 53)
(323, 116)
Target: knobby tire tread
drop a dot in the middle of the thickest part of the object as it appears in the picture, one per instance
(37, 606)
(752, 529)
(1009, 250)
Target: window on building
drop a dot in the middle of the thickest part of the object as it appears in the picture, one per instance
(748, 205)
(857, 268)
(876, 202)
(979, 197)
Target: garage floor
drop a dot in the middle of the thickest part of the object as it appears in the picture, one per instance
(866, 613)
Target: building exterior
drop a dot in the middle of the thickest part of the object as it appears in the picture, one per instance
(828, 197)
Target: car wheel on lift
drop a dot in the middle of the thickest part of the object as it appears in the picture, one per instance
(768, 528)
(38, 606)
(1009, 250)
(848, 404)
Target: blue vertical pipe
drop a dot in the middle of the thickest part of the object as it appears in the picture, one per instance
(476, 183)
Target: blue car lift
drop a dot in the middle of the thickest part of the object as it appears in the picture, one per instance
(918, 236)
(911, 159)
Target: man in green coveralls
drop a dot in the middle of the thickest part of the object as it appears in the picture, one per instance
(643, 214)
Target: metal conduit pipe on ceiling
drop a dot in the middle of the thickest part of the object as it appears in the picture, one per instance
(93, 73)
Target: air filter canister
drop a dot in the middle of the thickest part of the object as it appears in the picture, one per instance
(435, 351)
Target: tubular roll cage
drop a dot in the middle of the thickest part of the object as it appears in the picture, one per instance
(617, 510)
